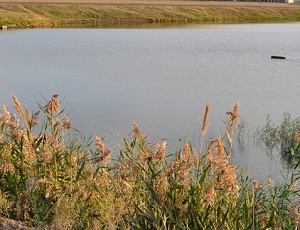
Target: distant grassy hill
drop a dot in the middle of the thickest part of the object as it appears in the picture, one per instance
(45, 13)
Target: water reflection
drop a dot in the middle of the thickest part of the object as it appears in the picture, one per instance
(162, 78)
(153, 25)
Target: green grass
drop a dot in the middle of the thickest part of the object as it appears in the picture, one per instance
(53, 178)
(285, 137)
(46, 15)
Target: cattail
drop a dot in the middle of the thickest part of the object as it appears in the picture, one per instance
(205, 117)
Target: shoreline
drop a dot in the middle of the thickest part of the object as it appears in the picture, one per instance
(45, 13)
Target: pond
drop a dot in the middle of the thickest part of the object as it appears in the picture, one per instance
(161, 78)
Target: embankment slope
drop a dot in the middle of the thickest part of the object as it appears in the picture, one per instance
(42, 13)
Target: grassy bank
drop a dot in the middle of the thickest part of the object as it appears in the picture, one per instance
(53, 179)
(53, 14)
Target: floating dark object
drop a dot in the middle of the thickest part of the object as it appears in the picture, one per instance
(278, 57)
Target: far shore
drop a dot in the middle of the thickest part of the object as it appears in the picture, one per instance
(45, 13)
(208, 4)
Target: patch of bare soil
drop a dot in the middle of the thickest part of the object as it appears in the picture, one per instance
(7, 224)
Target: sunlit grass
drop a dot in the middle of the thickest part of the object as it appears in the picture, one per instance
(45, 15)
(53, 179)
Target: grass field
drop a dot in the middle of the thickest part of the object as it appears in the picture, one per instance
(44, 13)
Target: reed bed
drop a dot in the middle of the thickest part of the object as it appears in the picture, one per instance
(53, 179)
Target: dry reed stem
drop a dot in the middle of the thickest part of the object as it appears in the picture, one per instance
(229, 137)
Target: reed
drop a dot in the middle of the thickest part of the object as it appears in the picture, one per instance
(284, 137)
(54, 179)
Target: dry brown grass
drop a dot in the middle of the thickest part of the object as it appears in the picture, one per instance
(7, 224)
(46, 13)
(209, 4)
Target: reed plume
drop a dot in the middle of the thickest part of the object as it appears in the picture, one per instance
(18, 106)
(293, 186)
(53, 105)
(223, 173)
(100, 143)
(235, 114)
(137, 131)
(256, 185)
(294, 214)
(105, 158)
(5, 117)
(271, 184)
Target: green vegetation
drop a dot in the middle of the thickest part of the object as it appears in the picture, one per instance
(53, 179)
(51, 15)
(284, 137)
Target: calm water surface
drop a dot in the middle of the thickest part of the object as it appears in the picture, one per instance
(160, 78)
